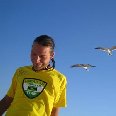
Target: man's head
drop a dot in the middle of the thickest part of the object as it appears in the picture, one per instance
(42, 52)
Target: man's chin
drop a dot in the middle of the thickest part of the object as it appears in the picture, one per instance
(39, 67)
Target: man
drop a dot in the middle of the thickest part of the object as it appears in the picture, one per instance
(38, 89)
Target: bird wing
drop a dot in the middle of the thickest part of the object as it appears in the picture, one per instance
(101, 48)
(113, 48)
(77, 65)
(89, 65)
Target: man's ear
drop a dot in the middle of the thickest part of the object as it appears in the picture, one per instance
(52, 55)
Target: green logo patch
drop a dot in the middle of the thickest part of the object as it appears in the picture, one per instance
(33, 87)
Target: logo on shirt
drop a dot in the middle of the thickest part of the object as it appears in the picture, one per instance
(33, 87)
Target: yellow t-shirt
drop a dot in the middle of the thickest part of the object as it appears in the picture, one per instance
(36, 93)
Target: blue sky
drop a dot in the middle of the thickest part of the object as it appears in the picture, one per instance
(78, 26)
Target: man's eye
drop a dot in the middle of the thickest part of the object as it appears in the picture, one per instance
(42, 56)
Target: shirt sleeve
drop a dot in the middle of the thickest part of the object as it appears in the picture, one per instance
(12, 89)
(61, 97)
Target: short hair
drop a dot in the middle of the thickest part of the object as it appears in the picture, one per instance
(45, 40)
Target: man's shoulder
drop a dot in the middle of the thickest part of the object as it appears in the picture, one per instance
(59, 74)
(24, 68)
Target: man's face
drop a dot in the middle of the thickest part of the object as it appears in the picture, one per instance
(41, 56)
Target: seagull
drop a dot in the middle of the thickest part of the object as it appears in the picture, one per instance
(85, 66)
(108, 50)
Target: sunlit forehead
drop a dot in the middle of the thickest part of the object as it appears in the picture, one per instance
(40, 50)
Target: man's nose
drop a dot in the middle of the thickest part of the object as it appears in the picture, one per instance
(37, 59)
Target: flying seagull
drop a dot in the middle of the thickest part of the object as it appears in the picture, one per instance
(85, 66)
(108, 50)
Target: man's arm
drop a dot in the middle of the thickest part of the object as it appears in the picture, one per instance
(5, 103)
(55, 111)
